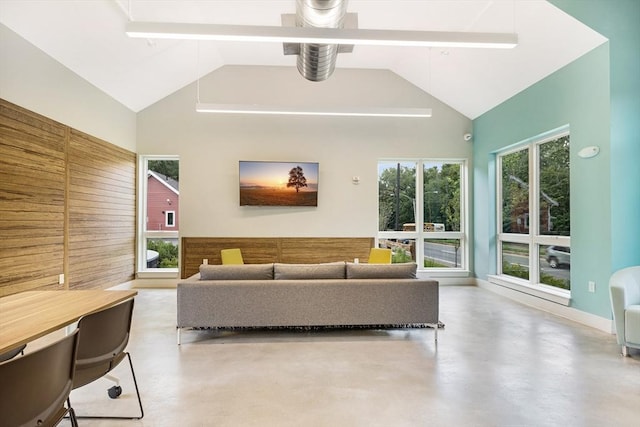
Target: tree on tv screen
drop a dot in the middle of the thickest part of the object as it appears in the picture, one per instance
(297, 178)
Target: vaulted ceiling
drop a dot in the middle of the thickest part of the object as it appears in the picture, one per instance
(88, 38)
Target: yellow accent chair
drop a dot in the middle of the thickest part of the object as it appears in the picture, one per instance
(380, 256)
(231, 256)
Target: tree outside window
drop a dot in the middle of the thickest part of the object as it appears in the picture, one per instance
(536, 212)
(420, 213)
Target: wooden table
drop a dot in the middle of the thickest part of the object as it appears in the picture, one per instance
(26, 316)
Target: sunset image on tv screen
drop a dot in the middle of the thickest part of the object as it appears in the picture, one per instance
(278, 183)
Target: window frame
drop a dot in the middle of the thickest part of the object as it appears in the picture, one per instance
(142, 271)
(172, 215)
(419, 235)
(534, 239)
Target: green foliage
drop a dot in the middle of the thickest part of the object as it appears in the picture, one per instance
(168, 168)
(430, 263)
(515, 190)
(395, 201)
(442, 195)
(515, 270)
(397, 195)
(167, 253)
(400, 255)
(554, 181)
(547, 279)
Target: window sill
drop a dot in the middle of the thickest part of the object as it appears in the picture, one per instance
(443, 272)
(158, 273)
(545, 292)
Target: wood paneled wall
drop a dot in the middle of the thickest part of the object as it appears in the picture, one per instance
(67, 206)
(293, 250)
(102, 213)
(32, 197)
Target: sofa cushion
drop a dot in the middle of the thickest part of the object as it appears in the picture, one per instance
(382, 271)
(237, 272)
(331, 270)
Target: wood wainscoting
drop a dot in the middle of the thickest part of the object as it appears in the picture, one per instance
(258, 250)
(67, 206)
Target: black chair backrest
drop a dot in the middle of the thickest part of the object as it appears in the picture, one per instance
(34, 387)
(102, 340)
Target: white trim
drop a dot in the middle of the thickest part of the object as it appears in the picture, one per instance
(142, 233)
(146, 281)
(442, 273)
(556, 309)
(548, 293)
(449, 281)
(533, 238)
(166, 219)
(419, 235)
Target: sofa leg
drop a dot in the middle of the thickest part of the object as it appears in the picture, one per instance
(179, 329)
(435, 331)
(625, 351)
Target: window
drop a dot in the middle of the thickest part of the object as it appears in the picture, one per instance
(430, 193)
(159, 207)
(171, 218)
(534, 213)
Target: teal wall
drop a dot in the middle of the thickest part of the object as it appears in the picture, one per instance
(619, 21)
(598, 96)
(577, 96)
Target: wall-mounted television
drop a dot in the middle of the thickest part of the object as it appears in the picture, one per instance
(265, 183)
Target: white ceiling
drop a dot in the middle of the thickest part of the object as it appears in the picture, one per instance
(87, 36)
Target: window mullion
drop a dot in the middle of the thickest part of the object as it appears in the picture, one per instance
(420, 212)
(534, 212)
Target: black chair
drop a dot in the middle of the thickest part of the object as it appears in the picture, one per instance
(7, 355)
(103, 337)
(35, 386)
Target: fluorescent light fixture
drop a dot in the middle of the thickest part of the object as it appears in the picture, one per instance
(340, 36)
(313, 111)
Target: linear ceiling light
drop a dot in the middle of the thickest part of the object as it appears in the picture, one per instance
(313, 111)
(351, 36)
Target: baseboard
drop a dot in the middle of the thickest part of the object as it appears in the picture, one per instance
(460, 278)
(591, 320)
(148, 283)
(454, 281)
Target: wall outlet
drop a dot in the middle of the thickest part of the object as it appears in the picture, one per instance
(205, 261)
(592, 286)
(61, 279)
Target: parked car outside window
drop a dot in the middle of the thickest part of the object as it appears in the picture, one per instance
(558, 255)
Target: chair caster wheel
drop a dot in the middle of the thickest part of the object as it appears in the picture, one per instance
(115, 391)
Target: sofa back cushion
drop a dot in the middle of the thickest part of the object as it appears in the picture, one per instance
(237, 272)
(332, 270)
(382, 271)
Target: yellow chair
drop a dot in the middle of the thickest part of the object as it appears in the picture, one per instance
(380, 256)
(231, 256)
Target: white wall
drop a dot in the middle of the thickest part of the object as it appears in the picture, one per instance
(35, 81)
(211, 145)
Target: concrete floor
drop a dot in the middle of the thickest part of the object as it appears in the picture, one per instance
(497, 363)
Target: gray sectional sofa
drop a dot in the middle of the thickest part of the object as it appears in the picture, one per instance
(303, 295)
